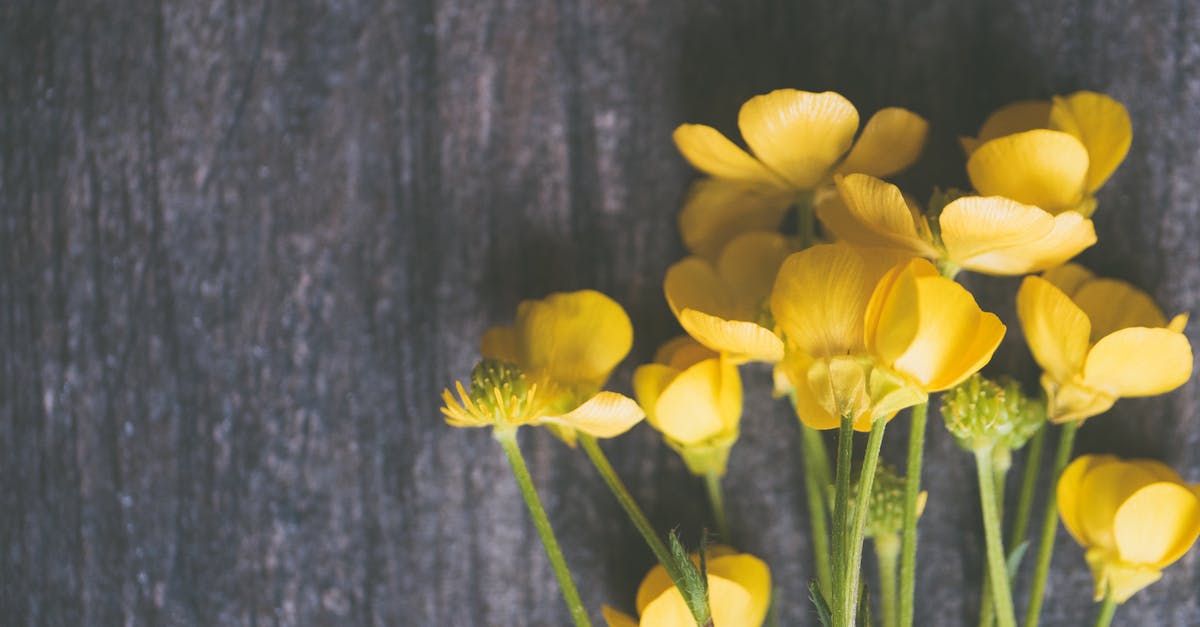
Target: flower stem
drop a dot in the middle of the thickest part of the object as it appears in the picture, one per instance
(1033, 463)
(600, 461)
(716, 498)
(862, 506)
(508, 441)
(997, 570)
(1107, 609)
(912, 489)
(1001, 463)
(841, 504)
(1066, 441)
(816, 482)
(887, 554)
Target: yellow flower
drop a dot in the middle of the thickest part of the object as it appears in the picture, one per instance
(1134, 517)
(1054, 155)
(548, 368)
(989, 234)
(739, 593)
(1097, 340)
(722, 304)
(798, 139)
(869, 332)
(694, 397)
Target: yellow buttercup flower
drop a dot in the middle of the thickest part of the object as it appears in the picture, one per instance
(988, 234)
(739, 593)
(694, 397)
(549, 367)
(1098, 340)
(869, 332)
(1134, 517)
(1053, 155)
(722, 304)
(798, 140)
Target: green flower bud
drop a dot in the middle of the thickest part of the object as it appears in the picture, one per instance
(981, 413)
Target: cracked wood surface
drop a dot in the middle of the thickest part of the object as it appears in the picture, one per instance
(244, 245)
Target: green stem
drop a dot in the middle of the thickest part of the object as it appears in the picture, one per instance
(1107, 609)
(841, 503)
(816, 483)
(1033, 463)
(1001, 463)
(862, 509)
(600, 461)
(716, 498)
(508, 441)
(887, 554)
(1037, 591)
(912, 489)
(997, 570)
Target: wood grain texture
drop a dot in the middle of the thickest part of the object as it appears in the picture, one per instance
(245, 243)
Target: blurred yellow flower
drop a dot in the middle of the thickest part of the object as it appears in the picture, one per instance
(988, 234)
(694, 397)
(869, 332)
(739, 593)
(798, 140)
(722, 304)
(548, 368)
(1097, 340)
(1054, 155)
(1134, 518)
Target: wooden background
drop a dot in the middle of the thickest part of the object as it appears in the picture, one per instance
(244, 244)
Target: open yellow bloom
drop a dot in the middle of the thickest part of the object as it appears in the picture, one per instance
(694, 397)
(1054, 155)
(548, 368)
(1134, 517)
(798, 140)
(722, 304)
(988, 234)
(1097, 340)
(739, 593)
(869, 332)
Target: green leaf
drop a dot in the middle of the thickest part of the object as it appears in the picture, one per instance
(818, 601)
(1014, 559)
(695, 584)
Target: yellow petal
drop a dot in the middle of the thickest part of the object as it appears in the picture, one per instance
(1101, 492)
(977, 225)
(1159, 470)
(604, 415)
(653, 585)
(809, 409)
(1039, 167)
(749, 264)
(739, 340)
(617, 619)
(1069, 277)
(841, 225)
(799, 135)
(880, 207)
(500, 343)
(1070, 235)
(1102, 124)
(1056, 329)
(717, 210)
(821, 295)
(1113, 305)
(1139, 362)
(682, 351)
(649, 381)
(730, 603)
(1070, 497)
(1017, 117)
(691, 409)
(694, 284)
(751, 574)
(1120, 579)
(890, 142)
(712, 153)
(1178, 323)
(576, 338)
(1157, 524)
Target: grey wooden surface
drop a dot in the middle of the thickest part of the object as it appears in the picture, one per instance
(245, 243)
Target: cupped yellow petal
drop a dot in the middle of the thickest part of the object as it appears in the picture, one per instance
(1116, 578)
(809, 408)
(977, 225)
(605, 415)
(1070, 235)
(695, 284)
(1103, 490)
(840, 225)
(712, 153)
(880, 207)
(730, 604)
(1070, 495)
(1157, 524)
(1113, 305)
(615, 618)
(799, 135)
(1039, 167)
(890, 142)
(682, 351)
(575, 338)
(1139, 362)
(718, 210)
(1159, 470)
(500, 343)
(751, 574)
(749, 263)
(1069, 277)
(653, 585)
(695, 406)
(649, 381)
(1024, 115)
(741, 341)
(1102, 124)
(1056, 329)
